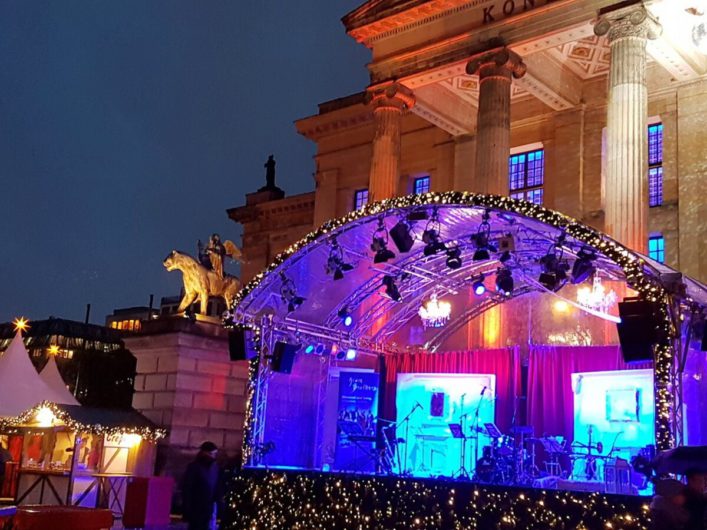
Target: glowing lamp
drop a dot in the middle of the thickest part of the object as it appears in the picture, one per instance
(350, 354)
(45, 417)
(53, 349)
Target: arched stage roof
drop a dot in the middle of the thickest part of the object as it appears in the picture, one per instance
(536, 231)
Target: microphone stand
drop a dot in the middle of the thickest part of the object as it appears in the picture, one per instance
(463, 472)
(406, 421)
(476, 430)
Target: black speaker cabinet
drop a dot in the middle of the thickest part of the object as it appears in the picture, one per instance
(283, 357)
(637, 330)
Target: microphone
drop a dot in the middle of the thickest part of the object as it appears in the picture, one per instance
(483, 390)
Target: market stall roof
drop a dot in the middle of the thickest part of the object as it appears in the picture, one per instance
(21, 387)
(93, 420)
(334, 270)
(51, 376)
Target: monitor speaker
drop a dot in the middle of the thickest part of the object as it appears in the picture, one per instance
(637, 330)
(283, 357)
(237, 344)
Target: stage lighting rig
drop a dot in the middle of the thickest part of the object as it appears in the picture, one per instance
(379, 244)
(431, 236)
(345, 315)
(583, 266)
(288, 293)
(336, 265)
(554, 267)
(391, 290)
(454, 257)
(482, 241)
(504, 281)
(478, 286)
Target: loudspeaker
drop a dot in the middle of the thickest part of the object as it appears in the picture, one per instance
(400, 234)
(237, 344)
(283, 357)
(637, 330)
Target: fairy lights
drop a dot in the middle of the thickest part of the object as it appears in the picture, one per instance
(260, 500)
(46, 414)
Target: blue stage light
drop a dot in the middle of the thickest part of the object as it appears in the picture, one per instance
(345, 316)
(348, 321)
(309, 348)
(320, 349)
(479, 287)
(350, 354)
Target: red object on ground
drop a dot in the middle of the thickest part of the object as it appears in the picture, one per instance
(62, 518)
(147, 501)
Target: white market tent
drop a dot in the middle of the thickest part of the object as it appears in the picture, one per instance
(22, 387)
(51, 376)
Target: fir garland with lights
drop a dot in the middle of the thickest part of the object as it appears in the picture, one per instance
(262, 500)
(25, 419)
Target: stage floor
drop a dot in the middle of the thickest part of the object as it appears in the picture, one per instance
(262, 499)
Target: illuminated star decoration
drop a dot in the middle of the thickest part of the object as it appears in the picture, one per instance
(21, 324)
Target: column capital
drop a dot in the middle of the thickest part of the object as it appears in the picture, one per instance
(629, 22)
(390, 96)
(500, 63)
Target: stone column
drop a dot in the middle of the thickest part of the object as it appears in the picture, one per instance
(388, 103)
(496, 70)
(626, 203)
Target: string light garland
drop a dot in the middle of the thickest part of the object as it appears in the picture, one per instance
(151, 434)
(635, 271)
(262, 500)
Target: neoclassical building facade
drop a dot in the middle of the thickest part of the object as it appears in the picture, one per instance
(594, 108)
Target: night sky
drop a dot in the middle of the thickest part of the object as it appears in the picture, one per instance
(128, 127)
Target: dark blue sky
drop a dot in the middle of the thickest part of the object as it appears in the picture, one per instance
(128, 127)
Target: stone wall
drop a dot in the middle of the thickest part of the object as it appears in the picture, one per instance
(186, 383)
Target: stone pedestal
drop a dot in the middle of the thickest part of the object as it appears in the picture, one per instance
(495, 69)
(626, 207)
(388, 104)
(187, 384)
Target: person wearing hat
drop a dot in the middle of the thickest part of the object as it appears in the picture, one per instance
(668, 506)
(201, 489)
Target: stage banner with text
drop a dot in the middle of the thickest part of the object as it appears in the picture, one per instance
(356, 422)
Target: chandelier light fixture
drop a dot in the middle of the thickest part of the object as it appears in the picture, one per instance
(596, 297)
(435, 313)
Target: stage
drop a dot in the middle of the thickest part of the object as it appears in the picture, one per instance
(443, 343)
(261, 499)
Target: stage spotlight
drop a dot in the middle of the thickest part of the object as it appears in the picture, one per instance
(336, 265)
(309, 348)
(288, 294)
(391, 290)
(554, 269)
(350, 354)
(454, 258)
(400, 234)
(379, 244)
(345, 316)
(431, 236)
(319, 350)
(482, 240)
(479, 286)
(583, 266)
(504, 282)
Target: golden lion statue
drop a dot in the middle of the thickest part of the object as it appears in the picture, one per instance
(200, 282)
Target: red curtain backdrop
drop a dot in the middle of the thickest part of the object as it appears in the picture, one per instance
(504, 363)
(550, 398)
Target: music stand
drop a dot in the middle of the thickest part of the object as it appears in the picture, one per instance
(456, 429)
(493, 431)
